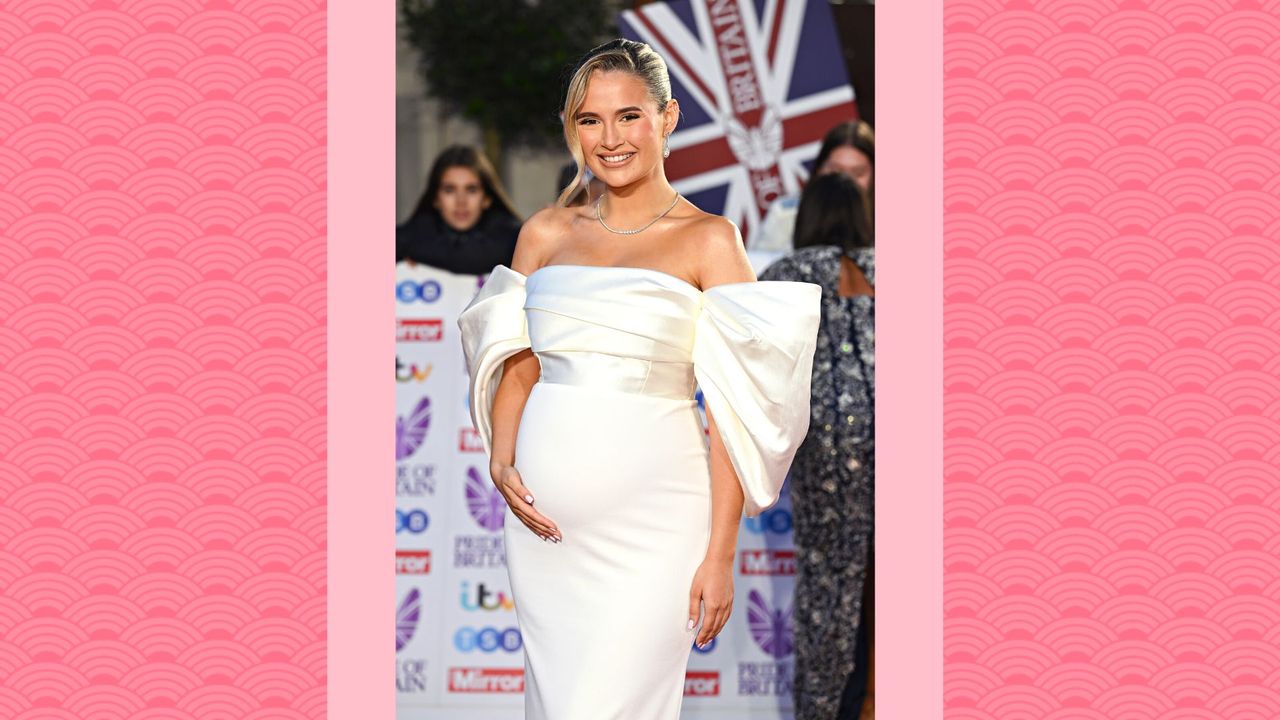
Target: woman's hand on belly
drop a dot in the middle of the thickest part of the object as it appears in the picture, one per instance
(520, 500)
(713, 588)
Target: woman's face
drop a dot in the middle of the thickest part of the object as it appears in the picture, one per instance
(851, 162)
(461, 199)
(621, 129)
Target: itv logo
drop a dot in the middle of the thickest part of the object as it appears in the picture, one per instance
(482, 598)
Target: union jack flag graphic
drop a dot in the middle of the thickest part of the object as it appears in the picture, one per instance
(759, 83)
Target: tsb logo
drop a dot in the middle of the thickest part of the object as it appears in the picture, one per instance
(776, 521)
(414, 521)
(486, 680)
(408, 291)
(701, 683)
(426, 330)
(487, 639)
(768, 562)
(413, 562)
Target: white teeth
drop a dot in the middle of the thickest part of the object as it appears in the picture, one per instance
(617, 158)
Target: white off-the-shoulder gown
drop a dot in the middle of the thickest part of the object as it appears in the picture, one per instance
(611, 446)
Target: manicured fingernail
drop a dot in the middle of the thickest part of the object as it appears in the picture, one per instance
(528, 499)
(689, 626)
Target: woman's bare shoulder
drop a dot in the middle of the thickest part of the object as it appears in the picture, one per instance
(722, 256)
(716, 230)
(539, 237)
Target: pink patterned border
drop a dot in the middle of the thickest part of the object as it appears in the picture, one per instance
(162, 359)
(1112, 359)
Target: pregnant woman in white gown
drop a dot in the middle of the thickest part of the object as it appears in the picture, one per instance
(584, 356)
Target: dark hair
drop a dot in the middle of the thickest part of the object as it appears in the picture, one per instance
(859, 136)
(467, 157)
(831, 213)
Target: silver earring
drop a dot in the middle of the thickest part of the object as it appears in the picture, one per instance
(666, 147)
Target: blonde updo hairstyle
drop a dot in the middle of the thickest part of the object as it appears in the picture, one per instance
(629, 56)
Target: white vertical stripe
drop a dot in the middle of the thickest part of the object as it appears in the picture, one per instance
(788, 45)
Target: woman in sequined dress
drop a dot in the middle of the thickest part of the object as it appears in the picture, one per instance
(833, 475)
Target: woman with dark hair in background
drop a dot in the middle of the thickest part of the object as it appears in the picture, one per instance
(833, 475)
(464, 222)
(848, 148)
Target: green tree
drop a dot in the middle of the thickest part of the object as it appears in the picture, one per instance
(503, 63)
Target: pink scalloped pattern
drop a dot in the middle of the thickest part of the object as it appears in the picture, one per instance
(1112, 359)
(162, 359)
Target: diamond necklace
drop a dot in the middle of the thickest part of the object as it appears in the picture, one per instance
(633, 232)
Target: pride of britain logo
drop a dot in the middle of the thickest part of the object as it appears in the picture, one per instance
(407, 616)
(488, 509)
(772, 628)
(411, 429)
(485, 503)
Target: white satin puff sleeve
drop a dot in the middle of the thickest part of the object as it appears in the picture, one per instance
(493, 329)
(753, 359)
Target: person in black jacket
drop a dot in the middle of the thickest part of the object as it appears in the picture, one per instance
(464, 222)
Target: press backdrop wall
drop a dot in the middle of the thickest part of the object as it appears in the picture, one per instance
(459, 652)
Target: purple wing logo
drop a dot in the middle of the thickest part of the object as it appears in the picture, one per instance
(407, 618)
(486, 504)
(411, 431)
(773, 629)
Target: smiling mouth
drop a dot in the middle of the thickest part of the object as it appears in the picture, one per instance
(617, 159)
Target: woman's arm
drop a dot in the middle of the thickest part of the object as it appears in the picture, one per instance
(726, 500)
(713, 582)
(723, 260)
(519, 374)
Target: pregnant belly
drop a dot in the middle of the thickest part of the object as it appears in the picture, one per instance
(600, 460)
